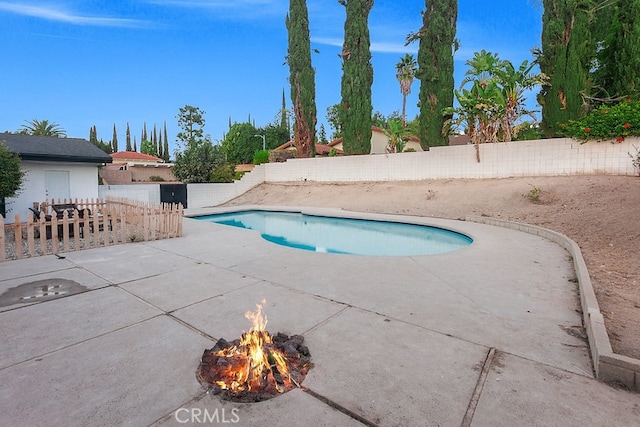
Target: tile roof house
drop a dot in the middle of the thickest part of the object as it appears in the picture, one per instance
(379, 142)
(321, 149)
(55, 168)
(132, 167)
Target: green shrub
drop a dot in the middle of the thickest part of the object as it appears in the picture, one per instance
(223, 173)
(409, 150)
(525, 131)
(261, 156)
(607, 122)
(534, 194)
(156, 178)
(333, 152)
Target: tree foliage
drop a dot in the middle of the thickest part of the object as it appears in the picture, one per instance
(335, 117)
(223, 173)
(114, 139)
(275, 135)
(147, 147)
(11, 173)
(43, 128)
(494, 103)
(165, 151)
(93, 138)
(197, 162)
(128, 139)
(301, 79)
(397, 135)
(618, 65)
(191, 121)
(240, 143)
(357, 78)
(199, 156)
(435, 69)
(607, 122)
(566, 57)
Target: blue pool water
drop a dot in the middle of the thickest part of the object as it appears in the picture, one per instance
(343, 235)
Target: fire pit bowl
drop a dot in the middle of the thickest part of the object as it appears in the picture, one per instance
(256, 367)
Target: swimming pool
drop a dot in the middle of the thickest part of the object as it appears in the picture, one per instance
(344, 235)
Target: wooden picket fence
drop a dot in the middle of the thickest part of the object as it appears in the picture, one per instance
(104, 222)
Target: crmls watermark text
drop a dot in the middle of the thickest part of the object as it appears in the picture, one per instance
(206, 416)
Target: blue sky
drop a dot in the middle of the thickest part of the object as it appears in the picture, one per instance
(94, 62)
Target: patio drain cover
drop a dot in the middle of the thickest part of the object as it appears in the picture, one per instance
(40, 290)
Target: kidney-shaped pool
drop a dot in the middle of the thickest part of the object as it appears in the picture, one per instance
(344, 235)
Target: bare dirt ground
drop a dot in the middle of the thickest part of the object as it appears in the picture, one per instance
(600, 213)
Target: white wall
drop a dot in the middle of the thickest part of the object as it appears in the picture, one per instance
(141, 192)
(83, 184)
(548, 157)
(499, 160)
(203, 195)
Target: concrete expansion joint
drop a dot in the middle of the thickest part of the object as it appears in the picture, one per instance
(475, 397)
(339, 407)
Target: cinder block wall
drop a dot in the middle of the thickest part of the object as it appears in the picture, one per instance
(547, 157)
(550, 157)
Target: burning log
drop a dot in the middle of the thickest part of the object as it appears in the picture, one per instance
(256, 367)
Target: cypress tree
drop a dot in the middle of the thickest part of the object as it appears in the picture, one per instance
(165, 150)
(623, 51)
(128, 138)
(284, 114)
(435, 69)
(301, 79)
(154, 140)
(114, 139)
(357, 78)
(160, 153)
(144, 133)
(566, 58)
(93, 135)
(135, 145)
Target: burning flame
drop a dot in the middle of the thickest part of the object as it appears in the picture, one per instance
(254, 364)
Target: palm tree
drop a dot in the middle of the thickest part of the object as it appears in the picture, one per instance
(397, 136)
(405, 73)
(43, 128)
(514, 84)
(488, 70)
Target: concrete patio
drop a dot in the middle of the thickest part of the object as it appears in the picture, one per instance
(489, 335)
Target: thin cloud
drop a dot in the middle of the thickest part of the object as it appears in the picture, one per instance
(215, 4)
(378, 47)
(249, 8)
(327, 41)
(59, 14)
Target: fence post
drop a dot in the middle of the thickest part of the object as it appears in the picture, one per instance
(43, 234)
(30, 234)
(17, 236)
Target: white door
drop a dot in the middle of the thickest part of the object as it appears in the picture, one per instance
(56, 185)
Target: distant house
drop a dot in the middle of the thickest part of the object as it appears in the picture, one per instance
(321, 149)
(379, 142)
(60, 168)
(132, 167)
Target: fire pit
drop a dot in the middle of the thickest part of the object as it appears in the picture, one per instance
(256, 367)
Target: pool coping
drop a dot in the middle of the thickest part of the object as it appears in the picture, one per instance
(609, 367)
